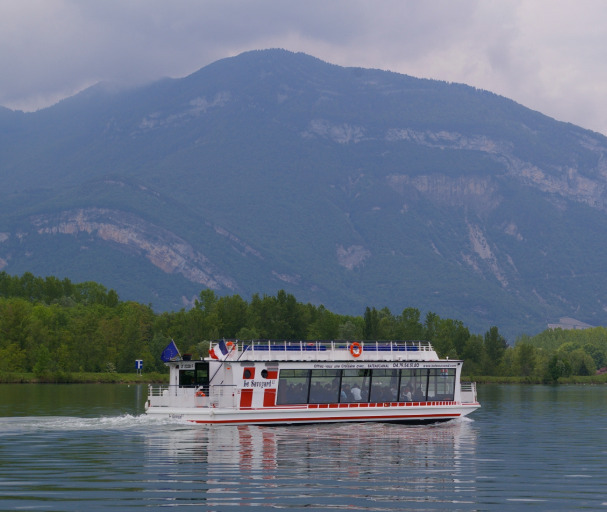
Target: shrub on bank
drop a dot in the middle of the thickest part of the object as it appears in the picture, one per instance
(83, 378)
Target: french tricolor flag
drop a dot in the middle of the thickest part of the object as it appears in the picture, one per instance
(219, 351)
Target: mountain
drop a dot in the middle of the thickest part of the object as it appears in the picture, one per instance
(344, 186)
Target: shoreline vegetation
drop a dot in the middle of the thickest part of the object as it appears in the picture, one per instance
(83, 378)
(576, 379)
(57, 331)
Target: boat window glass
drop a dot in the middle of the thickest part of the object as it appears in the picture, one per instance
(384, 385)
(414, 382)
(324, 386)
(187, 378)
(202, 374)
(441, 384)
(355, 385)
(293, 387)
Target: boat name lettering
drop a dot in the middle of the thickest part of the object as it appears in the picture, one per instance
(259, 384)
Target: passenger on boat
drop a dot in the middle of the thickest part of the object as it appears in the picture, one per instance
(418, 395)
(407, 394)
(346, 394)
(380, 392)
(330, 393)
(387, 393)
(301, 393)
(356, 394)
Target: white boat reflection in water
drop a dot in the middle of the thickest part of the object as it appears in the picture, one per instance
(324, 466)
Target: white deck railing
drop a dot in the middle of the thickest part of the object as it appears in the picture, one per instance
(175, 396)
(468, 392)
(273, 350)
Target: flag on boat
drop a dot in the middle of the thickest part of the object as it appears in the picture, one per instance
(170, 352)
(219, 351)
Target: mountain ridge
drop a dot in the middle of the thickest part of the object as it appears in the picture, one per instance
(344, 186)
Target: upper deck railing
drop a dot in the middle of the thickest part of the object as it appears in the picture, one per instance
(277, 350)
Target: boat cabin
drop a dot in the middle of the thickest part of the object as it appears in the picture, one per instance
(286, 375)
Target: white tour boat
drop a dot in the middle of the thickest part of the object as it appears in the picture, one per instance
(288, 382)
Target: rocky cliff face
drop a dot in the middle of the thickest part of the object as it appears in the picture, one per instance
(482, 194)
(163, 249)
(588, 185)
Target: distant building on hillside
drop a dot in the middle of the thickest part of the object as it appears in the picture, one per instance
(570, 323)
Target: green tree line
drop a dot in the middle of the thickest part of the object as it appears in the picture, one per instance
(54, 327)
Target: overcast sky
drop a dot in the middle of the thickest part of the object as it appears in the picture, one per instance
(549, 55)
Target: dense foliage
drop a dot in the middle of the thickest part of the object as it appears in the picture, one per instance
(52, 327)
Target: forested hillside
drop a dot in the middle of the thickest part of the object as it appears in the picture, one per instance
(53, 328)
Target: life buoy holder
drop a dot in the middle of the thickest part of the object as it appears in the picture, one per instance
(356, 349)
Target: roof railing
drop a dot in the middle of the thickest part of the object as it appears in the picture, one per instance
(326, 345)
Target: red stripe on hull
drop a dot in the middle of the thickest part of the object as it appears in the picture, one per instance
(334, 419)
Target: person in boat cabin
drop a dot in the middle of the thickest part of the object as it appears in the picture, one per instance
(346, 394)
(356, 393)
(418, 395)
(407, 394)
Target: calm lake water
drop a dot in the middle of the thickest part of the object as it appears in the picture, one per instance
(90, 447)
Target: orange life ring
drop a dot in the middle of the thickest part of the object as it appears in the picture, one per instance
(356, 349)
(200, 393)
(230, 346)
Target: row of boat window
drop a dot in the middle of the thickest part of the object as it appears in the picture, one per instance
(365, 385)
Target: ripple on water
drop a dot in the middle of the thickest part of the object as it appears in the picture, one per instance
(525, 448)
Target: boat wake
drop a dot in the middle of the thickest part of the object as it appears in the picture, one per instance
(123, 422)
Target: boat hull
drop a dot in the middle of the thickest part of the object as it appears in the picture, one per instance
(320, 414)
